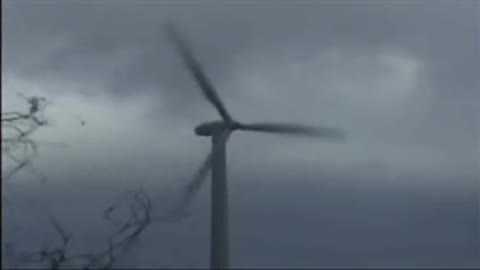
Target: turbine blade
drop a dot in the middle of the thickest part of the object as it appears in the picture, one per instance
(199, 178)
(193, 187)
(295, 129)
(184, 50)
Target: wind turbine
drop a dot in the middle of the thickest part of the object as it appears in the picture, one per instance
(220, 131)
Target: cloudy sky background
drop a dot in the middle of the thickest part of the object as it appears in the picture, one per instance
(401, 77)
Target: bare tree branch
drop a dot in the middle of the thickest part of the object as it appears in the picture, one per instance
(21, 149)
(17, 128)
(118, 243)
(129, 230)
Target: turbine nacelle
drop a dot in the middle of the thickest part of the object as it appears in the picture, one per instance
(209, 128)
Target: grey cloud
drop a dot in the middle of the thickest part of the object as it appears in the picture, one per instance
(119, 46)
(401, 77)
(94, 31)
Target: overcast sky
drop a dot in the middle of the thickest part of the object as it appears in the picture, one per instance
(401, 77)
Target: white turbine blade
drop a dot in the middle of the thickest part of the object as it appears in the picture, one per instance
(295, 129)
(180, 44)
(199, 179)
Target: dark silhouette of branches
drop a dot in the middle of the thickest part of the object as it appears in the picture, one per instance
(19, 147)
(17, 129)
(127, 232)
(52, 257)
(118, 243)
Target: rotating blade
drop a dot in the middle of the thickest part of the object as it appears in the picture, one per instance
(199, 179)
(193, 187)
(185, 52)
(295, 129)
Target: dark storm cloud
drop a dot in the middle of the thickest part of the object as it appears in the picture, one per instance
(119, 46)
(120, 43)
(402, 189)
